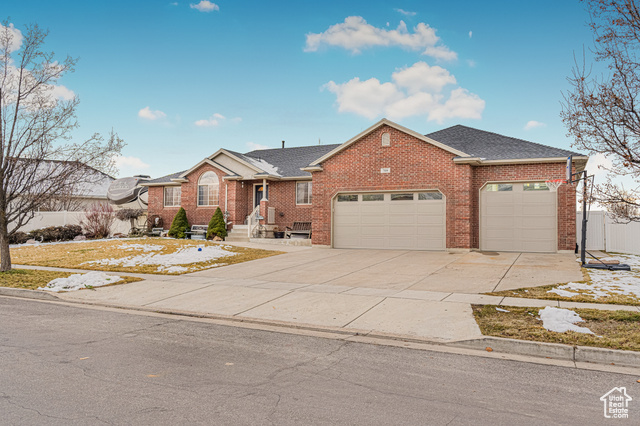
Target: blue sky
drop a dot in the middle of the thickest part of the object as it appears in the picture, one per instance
(179, 80)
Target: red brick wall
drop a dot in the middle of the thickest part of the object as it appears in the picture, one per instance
(282, 196)
(533, 172)
(414, 165)
(197, 215)
(418, 165)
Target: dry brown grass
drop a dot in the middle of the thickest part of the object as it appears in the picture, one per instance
(582, 296)
(32, 279)
(76, 255)
(619, 329)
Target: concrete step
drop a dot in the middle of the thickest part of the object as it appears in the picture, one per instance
(234, 239)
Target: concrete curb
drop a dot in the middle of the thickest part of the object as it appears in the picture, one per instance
(553, 350)
(27, 294)
(559, 351)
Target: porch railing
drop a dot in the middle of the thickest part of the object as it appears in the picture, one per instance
(253, 221)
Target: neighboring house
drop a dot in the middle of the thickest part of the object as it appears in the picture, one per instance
(391, 188)
(69, 208)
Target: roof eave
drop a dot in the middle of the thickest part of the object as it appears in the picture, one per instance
(483, 162)
(311, 169)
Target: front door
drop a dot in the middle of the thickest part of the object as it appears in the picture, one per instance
(258, 194)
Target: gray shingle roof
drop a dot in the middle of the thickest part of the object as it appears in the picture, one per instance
(288, 161)
(167, 178)
(492, 146)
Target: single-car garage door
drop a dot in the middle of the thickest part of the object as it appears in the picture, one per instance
(518, 217)
(397, 220)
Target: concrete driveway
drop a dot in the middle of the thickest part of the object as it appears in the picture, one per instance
(403, 293)
(396, 270)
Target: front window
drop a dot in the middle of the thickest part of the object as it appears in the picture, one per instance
(172, 196)
(303, 192)
(208, 188)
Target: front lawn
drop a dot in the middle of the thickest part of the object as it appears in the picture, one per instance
(598, 286)
(141, 255)
(612, 329)
(32, 279)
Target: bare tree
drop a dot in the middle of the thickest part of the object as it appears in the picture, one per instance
(39, 163)
(602, 112)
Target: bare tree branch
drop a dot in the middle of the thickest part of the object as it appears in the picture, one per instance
(601, 112)
(40, 166)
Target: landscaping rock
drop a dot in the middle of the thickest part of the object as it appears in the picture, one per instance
(216, 238)
(32, 241)
(80, 238)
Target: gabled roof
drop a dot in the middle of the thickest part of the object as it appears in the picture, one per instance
(288, 161)
(492, 146)
(385, 122)
(162, 180)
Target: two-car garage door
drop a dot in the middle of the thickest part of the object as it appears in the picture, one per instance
(398, 220)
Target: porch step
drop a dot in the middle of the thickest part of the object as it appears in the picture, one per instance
(236, 239)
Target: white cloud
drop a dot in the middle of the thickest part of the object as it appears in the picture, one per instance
(355, 34)
(367, 98)
(148, 114)
(415, 91)
(422, 77)
(256, 146)
(14, 34)
(406, 12)
(175, 3)
(216, 120)
(471, 63)
(470, 34)
(129, 165)
(205, 6)
(533, 125)
(599, 165)
(62, 92)
(461, 104)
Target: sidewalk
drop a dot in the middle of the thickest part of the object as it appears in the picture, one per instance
(437, 316)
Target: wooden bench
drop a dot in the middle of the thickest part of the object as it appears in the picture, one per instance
(198, 232)
(155, 232)
(299, 228)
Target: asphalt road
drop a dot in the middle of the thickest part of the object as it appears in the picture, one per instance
(73, 365)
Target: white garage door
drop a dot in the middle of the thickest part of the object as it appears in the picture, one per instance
(399, 220)
(518, 217)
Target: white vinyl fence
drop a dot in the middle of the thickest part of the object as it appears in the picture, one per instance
(606, 235)
(45, 219)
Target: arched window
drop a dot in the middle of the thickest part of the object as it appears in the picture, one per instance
(208, 189)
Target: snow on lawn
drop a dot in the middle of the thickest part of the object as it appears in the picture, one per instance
(561, 320)
(176, 262)
(78, 281)
(607, 283)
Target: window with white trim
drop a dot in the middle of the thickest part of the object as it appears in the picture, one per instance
(172, 196)
(303, 192)
(208, 189)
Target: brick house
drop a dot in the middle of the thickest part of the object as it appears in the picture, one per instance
(391, 188)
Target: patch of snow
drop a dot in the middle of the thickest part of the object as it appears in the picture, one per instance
(186, 255)
(562, 320)
(263, 165)
(79, 281)
(501, 310)
(605, 283)
(53, 243)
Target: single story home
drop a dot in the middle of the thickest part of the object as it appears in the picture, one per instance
(390, 188)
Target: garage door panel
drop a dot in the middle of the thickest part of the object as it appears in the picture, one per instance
(372, 220)
(386, 224)
(518, 220)
(430, 220)
(372, 230)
